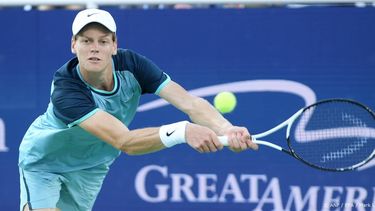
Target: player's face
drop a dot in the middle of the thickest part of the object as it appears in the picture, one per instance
(94, 49)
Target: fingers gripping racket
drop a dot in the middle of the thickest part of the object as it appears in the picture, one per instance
(333, 135)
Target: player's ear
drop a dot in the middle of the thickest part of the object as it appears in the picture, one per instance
(114, 50)
(72, 46)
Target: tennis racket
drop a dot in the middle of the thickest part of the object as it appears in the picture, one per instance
(333, 135)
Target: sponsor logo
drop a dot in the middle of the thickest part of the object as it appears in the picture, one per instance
(260, 191)
(89, 15)
(170, 133)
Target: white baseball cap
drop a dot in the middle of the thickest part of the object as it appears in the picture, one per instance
(87, 16)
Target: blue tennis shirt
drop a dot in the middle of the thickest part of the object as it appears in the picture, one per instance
(55, 143)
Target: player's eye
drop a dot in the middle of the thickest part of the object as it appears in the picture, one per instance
(103, 42)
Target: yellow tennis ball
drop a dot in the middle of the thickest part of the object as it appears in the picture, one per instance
(225, 102)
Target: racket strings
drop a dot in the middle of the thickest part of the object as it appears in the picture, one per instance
(344, 152)
(351, 148)
(334, 135)
(353, 120)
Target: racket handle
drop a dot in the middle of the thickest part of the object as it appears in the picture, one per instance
(224, 141)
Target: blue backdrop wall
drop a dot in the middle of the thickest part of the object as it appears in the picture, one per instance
(276, 60)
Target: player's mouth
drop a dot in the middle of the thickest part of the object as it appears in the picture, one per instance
(94, 59)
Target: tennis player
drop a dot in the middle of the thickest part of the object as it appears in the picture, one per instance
(66, 152)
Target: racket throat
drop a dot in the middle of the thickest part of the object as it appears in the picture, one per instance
(287, 152)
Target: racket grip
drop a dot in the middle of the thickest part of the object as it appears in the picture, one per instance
(224, 140)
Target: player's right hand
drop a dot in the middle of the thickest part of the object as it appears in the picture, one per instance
(202, 138)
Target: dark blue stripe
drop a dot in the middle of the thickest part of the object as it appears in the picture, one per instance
(27, 191)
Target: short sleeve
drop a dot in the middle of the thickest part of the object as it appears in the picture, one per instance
(72, 100)
(150, 77)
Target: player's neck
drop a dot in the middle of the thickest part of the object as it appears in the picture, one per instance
(99, 80)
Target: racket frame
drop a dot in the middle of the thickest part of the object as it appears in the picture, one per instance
(350, 168)
(289, 122)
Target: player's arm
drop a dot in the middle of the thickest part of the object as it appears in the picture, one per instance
(147, 140)
(109, 129)
(201, 112)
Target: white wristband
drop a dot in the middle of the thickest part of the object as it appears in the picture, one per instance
(173, 134)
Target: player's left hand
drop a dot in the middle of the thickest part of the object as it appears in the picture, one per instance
(239, 139)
